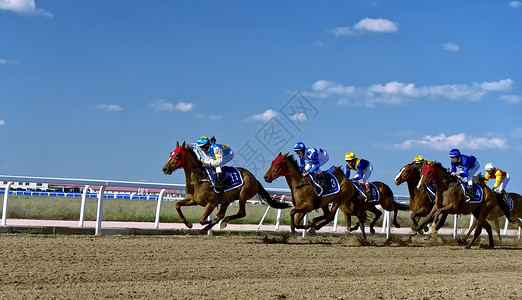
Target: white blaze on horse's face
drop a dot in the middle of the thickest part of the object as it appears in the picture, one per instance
(399, 175)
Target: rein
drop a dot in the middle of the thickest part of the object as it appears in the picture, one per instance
(280, 171)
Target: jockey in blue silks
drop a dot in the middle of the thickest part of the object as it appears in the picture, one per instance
(215, 156)
(311, 159)
(469, 165)
(363, 169)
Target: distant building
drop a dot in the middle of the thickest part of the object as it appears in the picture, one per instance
(25, 186)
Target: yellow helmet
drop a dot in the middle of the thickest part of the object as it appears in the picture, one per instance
(349, 156)
(418, 158)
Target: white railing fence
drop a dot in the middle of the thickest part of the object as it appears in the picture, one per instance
(163, 187)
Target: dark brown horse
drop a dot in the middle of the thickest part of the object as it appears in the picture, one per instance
(420, 202)
(304, 197)
(451, 199)
(199, 189)
(386, 201)
(496, 214)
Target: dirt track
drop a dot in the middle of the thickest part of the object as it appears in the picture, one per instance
(235, 267)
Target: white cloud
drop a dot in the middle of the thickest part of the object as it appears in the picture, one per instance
(7, 61)
(300, 117)
(511, 99)
(210, 117)
(266, 116)
(450, 47)
(24, 7)
(442, 142)
(109, 107)
(501, 85)
(162, 105)
(515, 4)
(183, 106)
(398, 93)
(376, 25)
(2, 122)
(367, 25)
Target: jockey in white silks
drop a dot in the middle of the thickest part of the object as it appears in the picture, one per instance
(215, 156)
(311, 159)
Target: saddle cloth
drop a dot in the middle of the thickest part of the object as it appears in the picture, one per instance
(373, 189)
(331, 188)
(477, 193)
(232, 178)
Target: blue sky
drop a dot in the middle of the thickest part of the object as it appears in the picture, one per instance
(104, 89)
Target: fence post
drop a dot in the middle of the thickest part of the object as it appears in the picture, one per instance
(336, 218)
(82, 206)
(305, 221)
(158, 208)
(455, 226)
(99, 211)
(6, 200)
(263, 218)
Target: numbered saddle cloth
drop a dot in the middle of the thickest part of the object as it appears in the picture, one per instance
(373, 189)
(477, 193)
(232, 178)
(331, 185)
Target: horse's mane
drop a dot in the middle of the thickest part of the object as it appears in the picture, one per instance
(441, 167)
(191, 151)
(293, 161)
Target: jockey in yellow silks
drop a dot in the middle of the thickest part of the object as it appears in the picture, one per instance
(215, 156)
(501, 177)
(363, 169)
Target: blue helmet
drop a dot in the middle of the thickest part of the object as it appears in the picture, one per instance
(299, 147)
(454, 153)
(203, 141)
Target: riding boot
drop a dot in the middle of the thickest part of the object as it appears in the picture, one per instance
(469, 192)
(218, 185)
(368, 192)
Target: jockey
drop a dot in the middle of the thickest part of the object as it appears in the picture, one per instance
(363, 168)
(469, 165)
(501, 177)
(311, 159)
(419, 161)
(215, 156)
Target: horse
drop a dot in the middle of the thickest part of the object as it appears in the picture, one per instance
(420, 202)
(451, 199)
(200, 191)
(304, 197)
(497, 213)
(386, 201)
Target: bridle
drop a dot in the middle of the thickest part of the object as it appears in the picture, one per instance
(181, 162)
(280, 171)
(426, 170)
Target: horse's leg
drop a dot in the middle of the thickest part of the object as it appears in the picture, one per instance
(395, 223)
(326, 211)
(496, 226)
(441, 221)
(361, 218)
(377, 214)
(330, 216)
(481, 223)
(203, 221)
(300, 210)
(185, 202)
(241, 213)
(473, 226)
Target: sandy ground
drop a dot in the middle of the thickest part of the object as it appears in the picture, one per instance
(252, 267)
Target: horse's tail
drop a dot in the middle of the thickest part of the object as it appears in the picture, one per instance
(266, 196)
(503, 206)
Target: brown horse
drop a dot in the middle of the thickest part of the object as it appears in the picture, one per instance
(420, 202)
(386, 201)
(304, 197)
(199, 189)
(496, 214)
(451, 199)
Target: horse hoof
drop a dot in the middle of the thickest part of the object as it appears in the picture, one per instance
(223, 225)
(372, 231)
(188, 224)
(311, 231)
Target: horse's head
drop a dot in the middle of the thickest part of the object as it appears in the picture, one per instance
(176, 159)
(428, 175)
(277, 168)
(405, 174)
